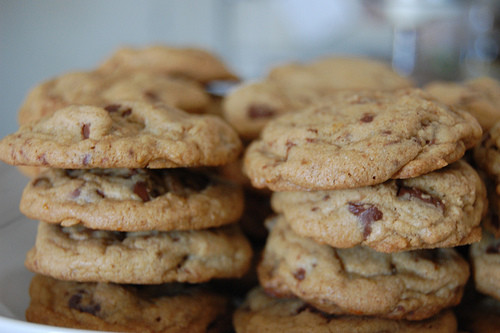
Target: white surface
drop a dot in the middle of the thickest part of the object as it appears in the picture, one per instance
(17, 236)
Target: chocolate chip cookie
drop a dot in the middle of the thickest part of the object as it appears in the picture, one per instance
(133, 199)
(412, 285)
(98, 89)
(485, 259)
(126, 308)
(262, 313)
(126, 135)
(80, 254)
(292, 87)
(197, 64)
(480, 97)
(359, 139)
(439, 209)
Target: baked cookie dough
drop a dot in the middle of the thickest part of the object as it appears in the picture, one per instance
(294, 86)
(193, 63)
(412, 285)
(167, 308)
(133, 199)
(359, 139)
(480, 97)
(262, 313)
(97, 89)
(80, 254)
(126, 135)
(485, 260)
(439, 209)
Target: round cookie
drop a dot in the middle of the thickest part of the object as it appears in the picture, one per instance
(485, 260)
(97, 89)
(439, 209)
(80, 254)
(480, 97)
(193, 63)
(292, 87)
(356, 139)
(262, 313)
(412, 285)
(133, 199)
(353, 73)
(126, 135)
(168, 308)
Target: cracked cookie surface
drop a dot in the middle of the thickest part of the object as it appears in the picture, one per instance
(439, 209)
(262, 313)
(126, 135)
(359, 139)
(133, 199)
(80, 254)
(168, 308)
(411, 285)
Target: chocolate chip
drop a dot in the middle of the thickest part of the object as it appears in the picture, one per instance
(112, 107)
(75, 194)
(127, 112)
(326, 197)
(85, 131)
(86, 159)
(99, 193)
(367, 118)
(407, 193)
(141, 189)
(256, 111)
(300, 274)
(75, 302)
(367, 214)
(493, 249)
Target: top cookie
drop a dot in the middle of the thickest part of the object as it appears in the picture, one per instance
(480, 97)
(193, 63)
(355, 139)
(129, 135)
(98, 89)
(294, 86)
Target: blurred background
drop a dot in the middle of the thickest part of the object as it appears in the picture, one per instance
(425, 39)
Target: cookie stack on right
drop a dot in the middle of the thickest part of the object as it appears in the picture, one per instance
(371, 196)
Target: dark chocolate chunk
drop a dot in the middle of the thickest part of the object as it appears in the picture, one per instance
(367, 214)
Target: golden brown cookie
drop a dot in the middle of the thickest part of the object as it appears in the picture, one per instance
(292, 87)
(359, 139)
(128, 135)
(80, 254)
(412, 285)
(97, 89)
(439, 209)
(485, 260)
(480, 97)
(133, 199)
(171, 308)
(262, 313)
(197, 64)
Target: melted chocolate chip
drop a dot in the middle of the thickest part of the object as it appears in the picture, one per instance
(86, 159)
(100, 193)
(85, 131)
(407, 193)
(367, 118)
(127, 112)
(367, 214)
(141, 189)
(75, 302)
(300, 274)
(112, 107)
(75, 194)
(260, 111)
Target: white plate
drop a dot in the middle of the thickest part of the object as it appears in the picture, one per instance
(17, 236)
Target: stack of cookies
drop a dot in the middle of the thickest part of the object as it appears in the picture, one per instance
(133, 223)
(370, 195)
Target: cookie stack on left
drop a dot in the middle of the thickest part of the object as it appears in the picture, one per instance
(133, 223)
